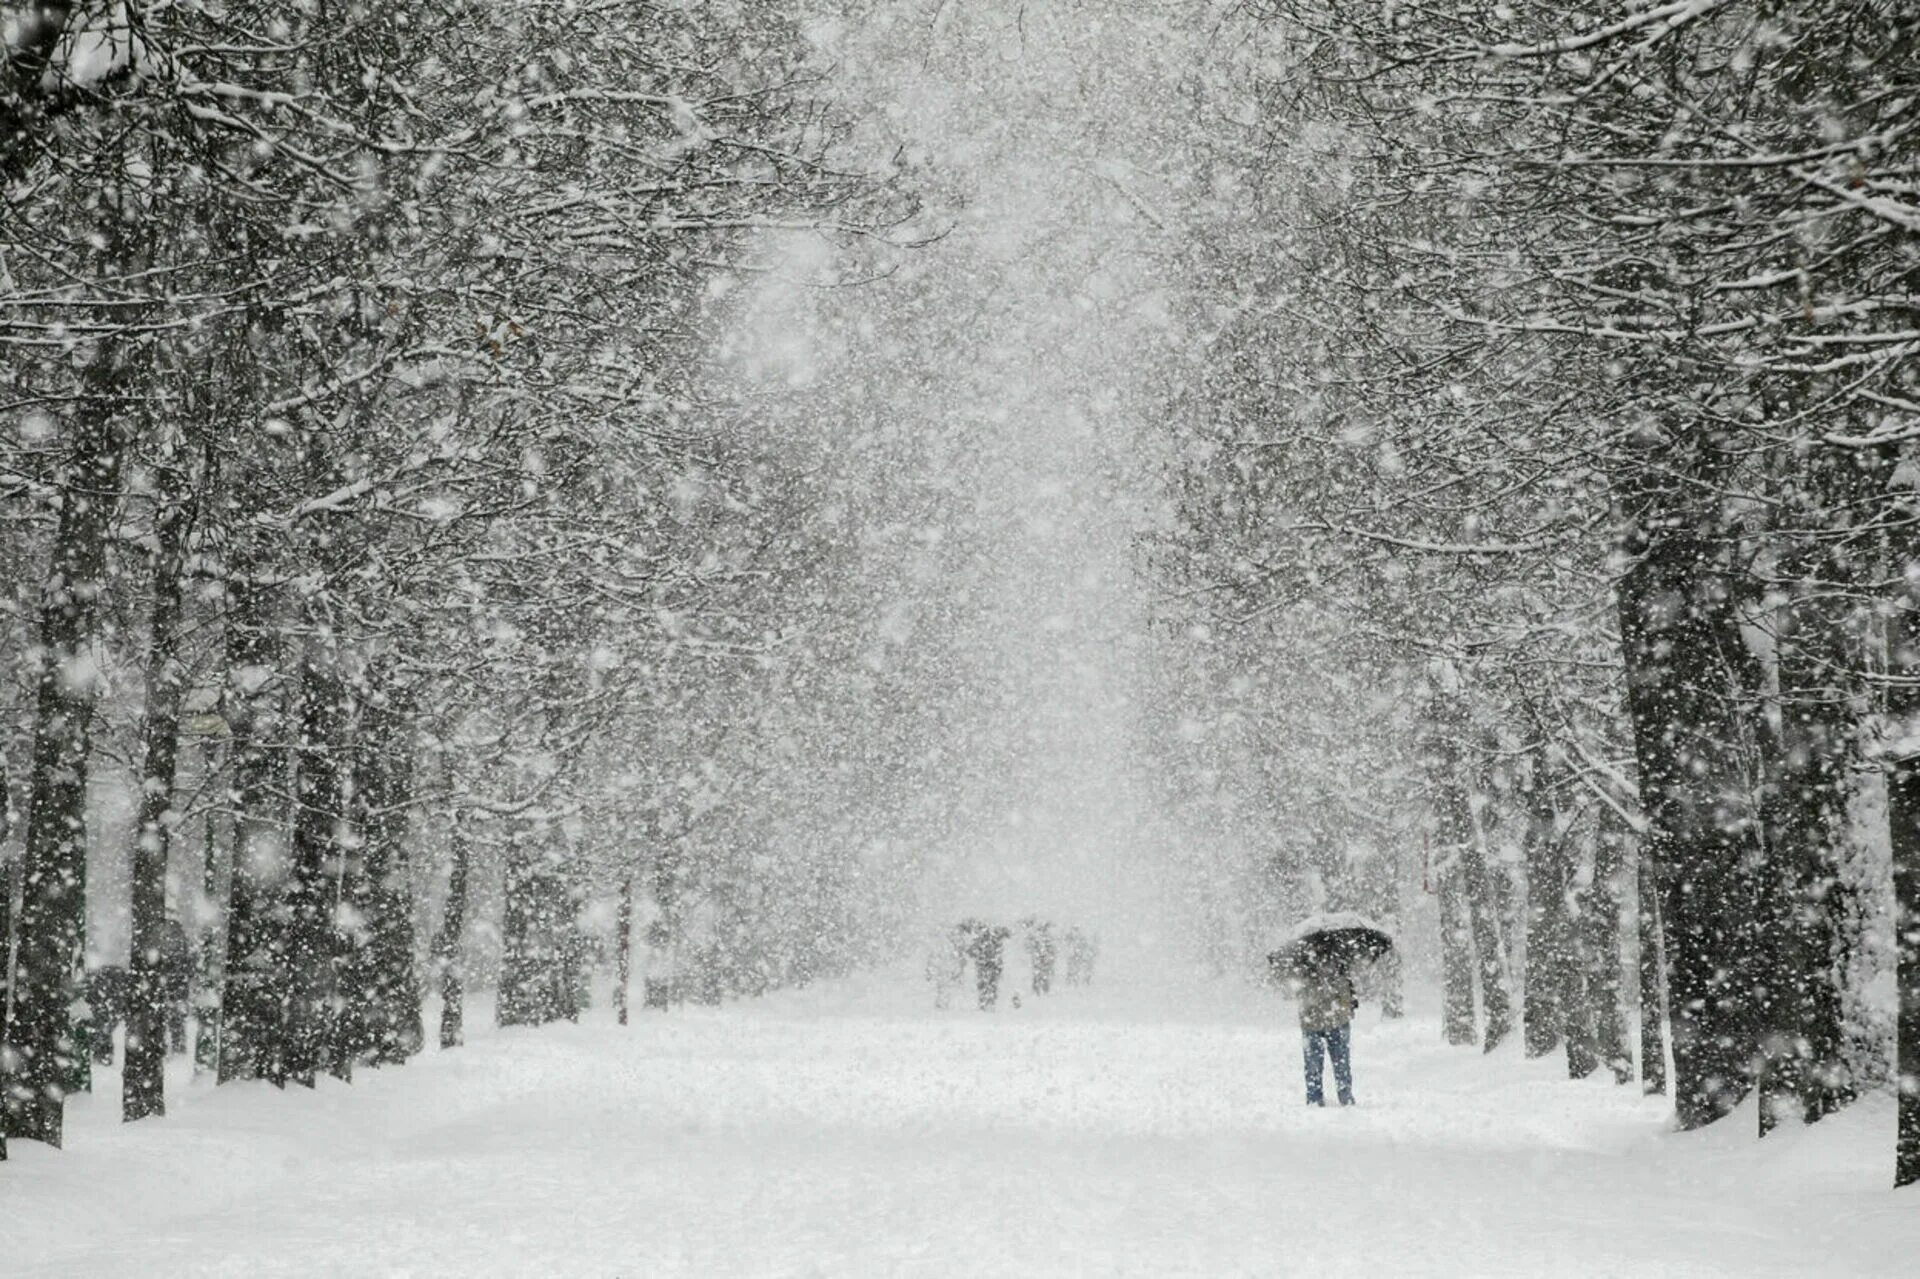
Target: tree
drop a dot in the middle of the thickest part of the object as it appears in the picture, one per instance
(40, 1054)
(166, 675)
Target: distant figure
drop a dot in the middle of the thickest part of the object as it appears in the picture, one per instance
(1327, 1003)
(1081, 949)
(1038, 939)
(947, 964)
(986, 947)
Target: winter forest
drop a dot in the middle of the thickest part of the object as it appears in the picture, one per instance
(758, 636)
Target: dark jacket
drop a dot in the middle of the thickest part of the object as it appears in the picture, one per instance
(1326, 1000)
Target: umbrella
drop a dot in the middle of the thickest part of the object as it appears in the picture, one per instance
(1336, 940)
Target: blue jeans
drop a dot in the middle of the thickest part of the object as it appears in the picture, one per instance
(1338, 1043)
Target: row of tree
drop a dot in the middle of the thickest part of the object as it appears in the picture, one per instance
(1564, 392)
(368, 506)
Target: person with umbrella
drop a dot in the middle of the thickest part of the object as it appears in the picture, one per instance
(1317, 966)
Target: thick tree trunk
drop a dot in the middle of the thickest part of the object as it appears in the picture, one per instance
(213, 961)
(383, 982)
(1601, 924)
(1808, 766)
(1652, 975)
(1577, 1029)
(1555, 1013)
(40, 1060)
(536, 972)
(1543, 1009)
(1903, 821)
(252, 1003)
(450, 946)
(518, 999)
(1472, 901)
(143, 1080)
(1483, 915)
(1903, 829)
(624, 949)
(6, 944)
(1456, 957)
(313, 946)
(29, 94)
(1686, 668)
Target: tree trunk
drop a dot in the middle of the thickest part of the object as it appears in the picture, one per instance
(252, 1013)
(1456, 955)
(383, 984)
(143, 1078)
(213, 964)
(1903, 829)
(33, 96)
(313, 947)
(1653, 987)
(1577, 1028)
(39, 1061)
(1686, 670)
(1903, 821)
(6, 946)
(1808, 782)
(449, 946)
(7, 881)
(1483, 915)
(1601, 922)
(535, 973)
(1543, 1010)
(1469, 896)
(624, 949)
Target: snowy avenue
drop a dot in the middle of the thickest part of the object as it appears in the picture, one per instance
(850, 1131)
(773, 638)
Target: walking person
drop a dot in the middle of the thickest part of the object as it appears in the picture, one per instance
(1327, 1004)
(1041, 951)
(987, 948)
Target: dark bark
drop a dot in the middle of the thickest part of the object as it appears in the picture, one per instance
(1652, 975)
(1483, 915)
(1453, 781)
(1808, 763)
(1555, 1013)
(252, 1016)
(450, 946)
(1543, 1009)
(41, 1060)
(1456, 954)
(1600, 920)
(537, 945)
(143, 1080)
(6, 946)
(1583, 1057)
(1687, 671)
(1903, 820)
(1903, 828)
(382, 991)
(7, 881)
(314, 947)
(624, 949)
(28, 96)
(213, 964)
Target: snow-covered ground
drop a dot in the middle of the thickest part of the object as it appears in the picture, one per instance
(850, 1130)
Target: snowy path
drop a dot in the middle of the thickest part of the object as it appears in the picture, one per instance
(848, 1132)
